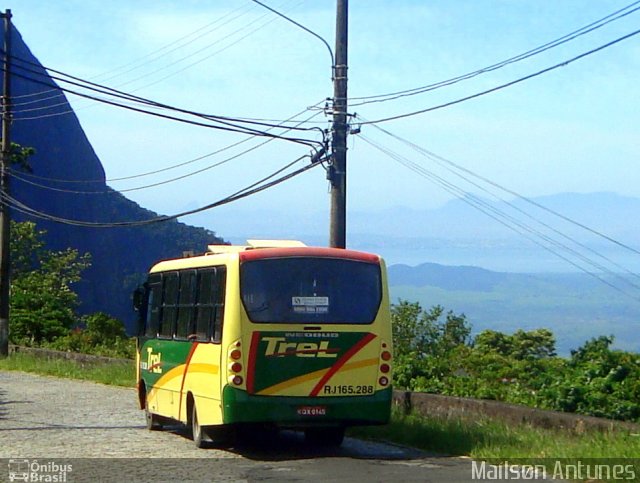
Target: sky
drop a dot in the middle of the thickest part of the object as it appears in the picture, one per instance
(574, 129)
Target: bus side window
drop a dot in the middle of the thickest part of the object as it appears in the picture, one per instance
(169, 304)
(219, 295)
(210, 304)
(204, 304)
(154, 304)
(186, 300)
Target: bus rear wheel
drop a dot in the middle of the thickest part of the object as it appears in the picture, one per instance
(324, 436)
(200, 436)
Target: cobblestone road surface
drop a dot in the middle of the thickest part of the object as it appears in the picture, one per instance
(47, 424)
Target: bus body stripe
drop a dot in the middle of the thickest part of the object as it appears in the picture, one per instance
(253, 352)
(184, 376)
(313, 375)
(341, 362)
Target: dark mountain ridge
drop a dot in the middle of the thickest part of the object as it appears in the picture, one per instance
(120, 256)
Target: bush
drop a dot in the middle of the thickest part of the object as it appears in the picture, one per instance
(437, 356)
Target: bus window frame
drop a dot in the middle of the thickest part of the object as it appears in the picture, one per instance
(166, 279)
(190, 306)
(152, 299)
(216, 305)
(375, 309)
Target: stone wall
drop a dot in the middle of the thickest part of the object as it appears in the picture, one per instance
(466, 408)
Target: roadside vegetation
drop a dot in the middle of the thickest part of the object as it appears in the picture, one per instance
(117, 373)
(43, 311)
(435, 353)
(496, 442)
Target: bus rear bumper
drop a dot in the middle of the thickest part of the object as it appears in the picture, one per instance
(304, 412)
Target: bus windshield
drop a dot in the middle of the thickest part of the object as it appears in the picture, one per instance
(310, 290)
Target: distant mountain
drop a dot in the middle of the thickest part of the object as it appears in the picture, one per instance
(609, 213)
(575, 306)
(447, 278)
(458, 234)
(120, 256)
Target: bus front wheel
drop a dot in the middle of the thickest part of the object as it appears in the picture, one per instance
(154, 422)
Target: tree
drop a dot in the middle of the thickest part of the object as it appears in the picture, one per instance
(522, 345)
(19, 156)
(104, 329)
(427, 348)
(42, 301)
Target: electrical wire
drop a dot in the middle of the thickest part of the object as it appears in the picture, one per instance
(507, 220)
(27, 175)
(431, 155)
(152, 185)
(101, 89)
(250, 190)
(226, 126)
(508, 84)
(448, 166)
(177, 44)
(530, 53)
(199, 61)
(69, 111)
(159, 53)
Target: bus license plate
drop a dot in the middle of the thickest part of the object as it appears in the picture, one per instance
(312, 411)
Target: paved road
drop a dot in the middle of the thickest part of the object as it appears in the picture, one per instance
(47, 424)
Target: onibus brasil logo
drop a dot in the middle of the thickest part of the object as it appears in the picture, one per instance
(36, 471)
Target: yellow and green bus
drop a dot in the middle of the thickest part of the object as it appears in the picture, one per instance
(273, 334)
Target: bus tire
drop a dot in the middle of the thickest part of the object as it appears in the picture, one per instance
(153, 422)
(324, 436)
(198, 433)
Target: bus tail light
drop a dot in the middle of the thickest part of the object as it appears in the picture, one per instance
(384, 365)
(235, 372)
(237, 380)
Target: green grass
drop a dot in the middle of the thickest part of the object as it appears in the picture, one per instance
(115, 373)
(491, 440)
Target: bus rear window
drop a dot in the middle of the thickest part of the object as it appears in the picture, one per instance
(309, 290)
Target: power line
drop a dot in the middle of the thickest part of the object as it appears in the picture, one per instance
(227, 126)
(508, 84)
(448, 165)
(25, 175)
(94, 87)
(176, 44)
(157, 54)
(199, 61)
(507, 220)
(530, 53)
(152, 185)
(432, 155)
(250, 190)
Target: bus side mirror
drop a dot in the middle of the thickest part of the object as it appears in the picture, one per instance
(138, 298)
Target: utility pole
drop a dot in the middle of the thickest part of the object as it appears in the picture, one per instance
(338, 169)
(5, 161)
